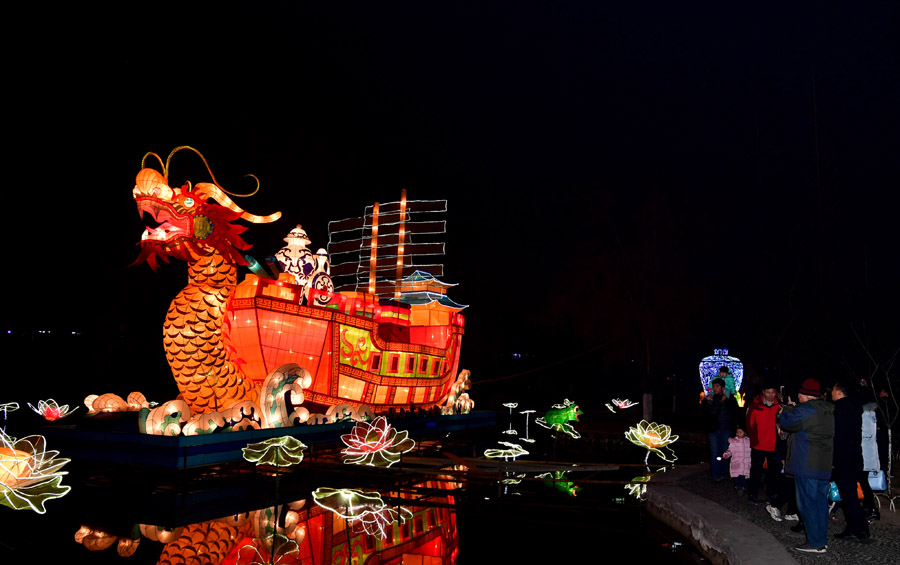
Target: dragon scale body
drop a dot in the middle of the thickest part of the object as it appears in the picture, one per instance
(192, 335)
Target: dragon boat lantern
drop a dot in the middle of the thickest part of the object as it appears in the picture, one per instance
(391, 339)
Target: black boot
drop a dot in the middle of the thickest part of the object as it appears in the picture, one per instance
(872, 514)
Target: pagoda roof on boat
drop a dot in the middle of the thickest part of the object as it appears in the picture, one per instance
(422, 276)
(425, 297)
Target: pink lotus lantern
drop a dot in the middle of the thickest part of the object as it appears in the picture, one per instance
(376, 444)
(52, 411)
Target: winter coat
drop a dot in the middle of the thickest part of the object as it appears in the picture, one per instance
(869, 445)
(739, 456)
(720, 415)
(811, 445)
(761, 424)
(848, 457)
(730, 388)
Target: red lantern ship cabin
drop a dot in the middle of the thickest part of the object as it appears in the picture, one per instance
(396, 345)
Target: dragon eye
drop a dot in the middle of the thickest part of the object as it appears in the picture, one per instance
(188, 201)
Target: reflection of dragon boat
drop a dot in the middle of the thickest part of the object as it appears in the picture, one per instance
(393, 529)
(394, 343)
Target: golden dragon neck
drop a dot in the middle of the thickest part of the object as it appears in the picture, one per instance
(192, 335)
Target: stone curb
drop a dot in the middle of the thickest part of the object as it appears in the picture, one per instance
(720, 535)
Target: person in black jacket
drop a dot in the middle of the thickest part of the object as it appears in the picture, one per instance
(848, 460)
(720, 419)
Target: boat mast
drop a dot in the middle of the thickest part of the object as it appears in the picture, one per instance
(402, 238)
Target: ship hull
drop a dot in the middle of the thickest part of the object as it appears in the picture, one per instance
(359, 350)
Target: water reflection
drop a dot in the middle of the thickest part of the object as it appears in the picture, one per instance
(332, 525)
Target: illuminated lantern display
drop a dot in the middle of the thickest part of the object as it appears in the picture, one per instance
(527, 417)
(559, 416)
(194, 224)
(362, 509)
(623, 404)
(709, 369)
(559, 481)
(511, 431)
(514, 450)
(166, 419)
(358, 348)
(113, 403)
(50, 410)
(281, 451)
(295, 259)
(654, 438)
(455, 403)
(376, 444)
(394, 342)
(348, 413)
(8, 407)
(29, 474)
(282, 395)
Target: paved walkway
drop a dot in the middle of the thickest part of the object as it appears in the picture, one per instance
(729, 530)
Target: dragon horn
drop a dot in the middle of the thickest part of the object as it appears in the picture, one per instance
(158, 158)
(209, 190)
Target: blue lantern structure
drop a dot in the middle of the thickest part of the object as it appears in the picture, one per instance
(709, 369)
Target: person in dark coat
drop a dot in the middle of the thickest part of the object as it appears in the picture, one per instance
(848, 460)
(720, 418)
(809, 459)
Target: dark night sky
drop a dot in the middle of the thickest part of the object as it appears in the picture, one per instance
(720, 175)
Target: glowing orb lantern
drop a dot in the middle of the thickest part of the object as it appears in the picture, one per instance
(709, 369)
(654, 438)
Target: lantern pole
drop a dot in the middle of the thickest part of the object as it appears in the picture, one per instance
(373, 249)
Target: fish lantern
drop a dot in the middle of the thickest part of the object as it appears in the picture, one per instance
(709, 370)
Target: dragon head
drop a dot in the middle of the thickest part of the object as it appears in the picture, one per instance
(189, 222)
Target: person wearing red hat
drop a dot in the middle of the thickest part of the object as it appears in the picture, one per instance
(809, 459)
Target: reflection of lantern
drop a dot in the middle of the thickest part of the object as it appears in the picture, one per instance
(709, 369)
